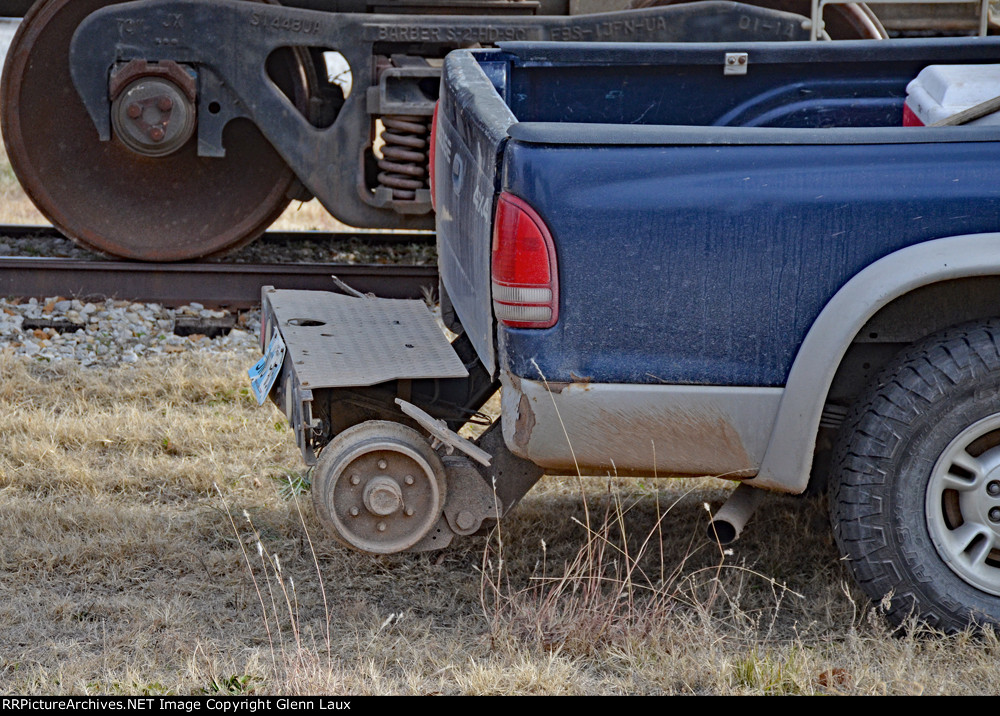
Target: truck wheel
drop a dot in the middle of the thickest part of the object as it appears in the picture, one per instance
(915, 499)
(379, 487)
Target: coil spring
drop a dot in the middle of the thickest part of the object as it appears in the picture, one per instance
(404, 155)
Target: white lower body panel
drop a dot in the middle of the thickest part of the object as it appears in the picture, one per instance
(639, 430)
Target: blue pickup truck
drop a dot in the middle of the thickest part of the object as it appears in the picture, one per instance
(704, 259)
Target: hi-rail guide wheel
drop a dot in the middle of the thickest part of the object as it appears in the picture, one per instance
(379, 487)
(146, 194)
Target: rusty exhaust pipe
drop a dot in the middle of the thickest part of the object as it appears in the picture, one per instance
(732, 517)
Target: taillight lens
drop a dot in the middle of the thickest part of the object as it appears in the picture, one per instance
(431, 154)
(525, 283)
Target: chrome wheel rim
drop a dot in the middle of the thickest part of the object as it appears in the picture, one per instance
(963, 505)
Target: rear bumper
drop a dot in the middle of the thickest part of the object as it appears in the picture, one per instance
(640, 430)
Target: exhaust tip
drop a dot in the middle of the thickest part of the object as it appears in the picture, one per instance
(732, 517)
(723, 532)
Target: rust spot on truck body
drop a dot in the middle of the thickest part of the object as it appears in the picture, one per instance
(525, 423)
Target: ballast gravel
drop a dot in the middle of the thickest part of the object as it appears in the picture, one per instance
(112, 333)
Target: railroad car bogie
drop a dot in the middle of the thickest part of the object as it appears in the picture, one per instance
(176, 129)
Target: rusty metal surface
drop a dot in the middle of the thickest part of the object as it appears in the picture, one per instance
(819, 6)
(928, 19)
(380, 488)
(509, 475)
(211, 284)
(153, 106)
(404, 155)
(442, 436)
(22, 231)
(844, 22)
(337, 341)
(106, 196)
(14, 8)
(471, 500)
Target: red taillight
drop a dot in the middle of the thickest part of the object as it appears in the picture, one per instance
(525, 284)
(430, 155)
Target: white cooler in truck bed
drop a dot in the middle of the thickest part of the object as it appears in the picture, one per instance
(940, 91)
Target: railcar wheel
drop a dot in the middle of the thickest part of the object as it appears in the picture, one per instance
(916, 494)
(379, 487)
(119, 197)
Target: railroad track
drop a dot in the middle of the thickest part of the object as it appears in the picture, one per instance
(224, 284)
(23, 231)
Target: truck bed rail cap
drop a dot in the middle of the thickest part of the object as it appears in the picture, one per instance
(980, 49)
(643, 135)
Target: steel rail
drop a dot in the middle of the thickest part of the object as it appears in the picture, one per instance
(229, 285)
(21, 231)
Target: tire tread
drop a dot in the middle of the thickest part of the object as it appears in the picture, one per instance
(880, 549)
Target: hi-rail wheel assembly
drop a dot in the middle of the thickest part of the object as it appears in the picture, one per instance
(146, 194)
(379, 487)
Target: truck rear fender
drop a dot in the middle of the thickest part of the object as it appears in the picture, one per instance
(788, 457)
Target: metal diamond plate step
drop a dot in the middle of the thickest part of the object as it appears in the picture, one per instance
(337, 341)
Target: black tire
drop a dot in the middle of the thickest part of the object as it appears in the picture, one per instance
(913, 485)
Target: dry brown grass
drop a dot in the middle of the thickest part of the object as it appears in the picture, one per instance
(132, 503)
(17, 208)
(122, 572)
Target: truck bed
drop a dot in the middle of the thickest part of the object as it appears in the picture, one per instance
(701, 220)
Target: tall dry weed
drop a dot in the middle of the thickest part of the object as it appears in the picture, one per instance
(603, 595)
(290, 655)
(619, 586)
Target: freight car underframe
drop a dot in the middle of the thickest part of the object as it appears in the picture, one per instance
(224, 46)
